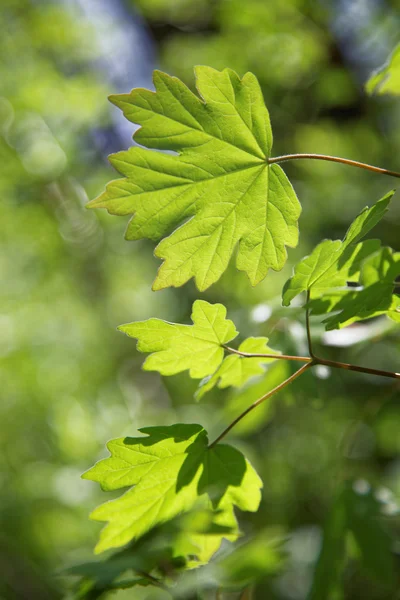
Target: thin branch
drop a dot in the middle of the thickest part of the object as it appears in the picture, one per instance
(261, 400)
(277, 356)
(308, 328)
(344, 161)
(350, 367)
(316, 360)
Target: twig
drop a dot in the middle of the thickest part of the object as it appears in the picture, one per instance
(261, 400)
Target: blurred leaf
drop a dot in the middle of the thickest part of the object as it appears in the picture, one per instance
(220, 178)
(332, 262)
(236, 370)
(250, 562)
(197, 347)
(171, 470)
(360, 514)
(167, 549)
(364, 520)
(386, 80)
(327, 581)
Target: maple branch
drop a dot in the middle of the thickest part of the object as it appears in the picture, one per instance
(276, 389)
(306, 359)
(351, 367)
(344, 161)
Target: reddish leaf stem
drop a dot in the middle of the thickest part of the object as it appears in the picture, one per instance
(337, 159)
(261, 400)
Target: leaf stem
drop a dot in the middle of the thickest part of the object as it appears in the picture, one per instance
(344, 161)
(277, 356)
(308, 328)
(276, 389)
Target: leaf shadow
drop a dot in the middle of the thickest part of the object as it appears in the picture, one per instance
(223, 469)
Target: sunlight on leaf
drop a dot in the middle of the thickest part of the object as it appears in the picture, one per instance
(333, 263)
(220, 183)
(171, 471)
(378, 275)
(175, 348)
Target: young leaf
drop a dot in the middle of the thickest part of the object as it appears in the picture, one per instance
(171, 470)
(220, 183)
(386, 80)
(236, 370)
(332, 263)
(175, 348)
(378, 276)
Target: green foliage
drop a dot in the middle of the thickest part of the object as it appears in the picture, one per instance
(221, 178)
(175, 348)
(359, 515)
(333, 263)
(221, 190)
(69, 279)
(378, 279)
(172, 470)
(200, 348)
(386, 80)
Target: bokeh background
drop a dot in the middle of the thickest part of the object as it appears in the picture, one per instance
(69, 381)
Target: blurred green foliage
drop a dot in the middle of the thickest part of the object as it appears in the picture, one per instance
(69, 381)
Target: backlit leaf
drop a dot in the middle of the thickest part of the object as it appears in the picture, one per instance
(175, 348)
(171, 471)
(219, 184)
(332, 263)
(376, 297)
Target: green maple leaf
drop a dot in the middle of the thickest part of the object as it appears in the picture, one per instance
(333, 263)
(386, 80)
(171, 471)
(378, 276)
(220, 183)
(236, 370)
(175, 348)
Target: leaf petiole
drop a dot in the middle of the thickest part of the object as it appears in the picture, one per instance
(276, 389)
(327, 157)
(305, 359)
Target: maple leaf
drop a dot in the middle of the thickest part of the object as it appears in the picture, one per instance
(171, 470)
(175, 348)
(220, 184)
(376, 297)
(236, 370)
(333, 263)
